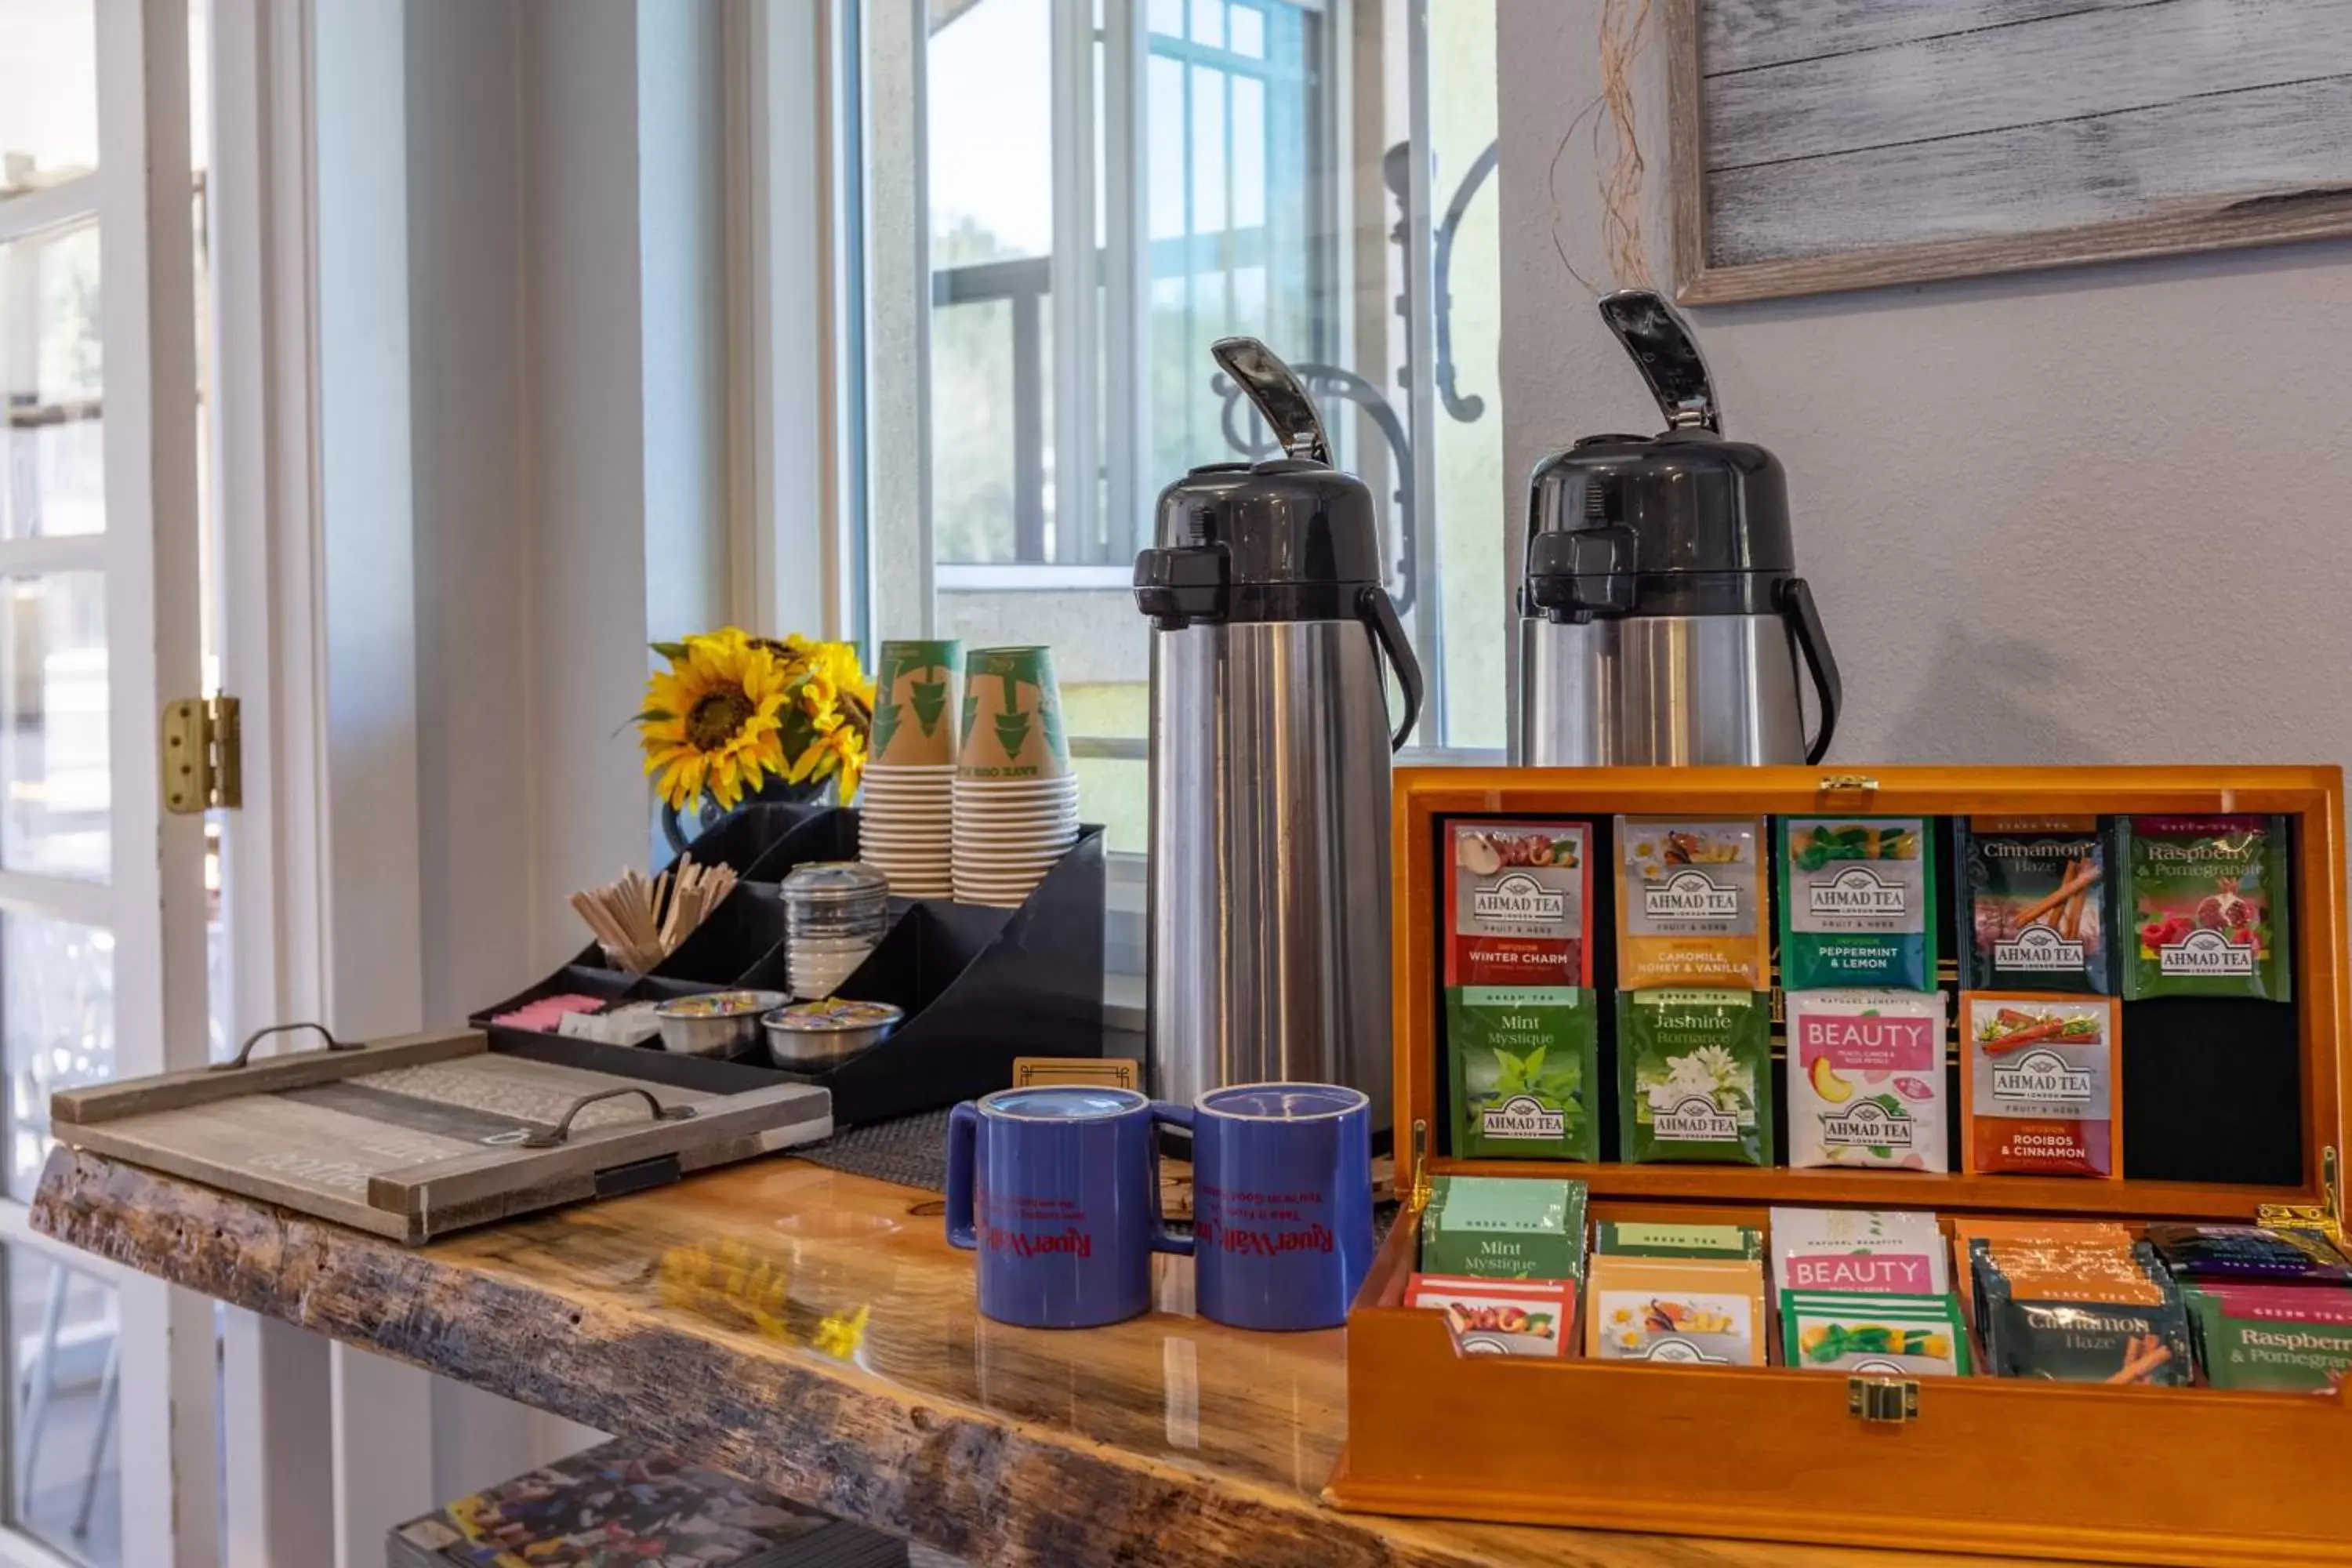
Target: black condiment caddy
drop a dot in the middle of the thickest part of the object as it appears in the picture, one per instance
(979, 985)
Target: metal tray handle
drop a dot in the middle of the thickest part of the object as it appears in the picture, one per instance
(245, 1050)
(561, 1131)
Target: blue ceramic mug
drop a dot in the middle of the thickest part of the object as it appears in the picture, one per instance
(1058, 1191)
(1282, 1203)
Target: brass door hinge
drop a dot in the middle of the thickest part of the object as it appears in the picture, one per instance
(203, 761)
(1888, 1400)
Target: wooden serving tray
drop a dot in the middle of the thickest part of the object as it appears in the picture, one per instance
(2188, 1475)
(415, 1137)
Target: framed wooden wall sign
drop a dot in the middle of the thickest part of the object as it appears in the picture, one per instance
(1829, 144)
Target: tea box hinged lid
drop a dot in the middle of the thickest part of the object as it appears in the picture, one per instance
(2326, 1216)
(1420, 1189)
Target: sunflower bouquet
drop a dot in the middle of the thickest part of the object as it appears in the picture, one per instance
(732, 712)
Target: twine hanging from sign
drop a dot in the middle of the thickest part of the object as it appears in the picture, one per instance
(1617, 159)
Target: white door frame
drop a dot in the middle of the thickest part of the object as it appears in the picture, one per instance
(153, 902)
(170, 1501)
(275, 1379)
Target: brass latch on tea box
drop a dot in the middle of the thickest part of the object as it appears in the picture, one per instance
(1888, 1400)
(1860, 784)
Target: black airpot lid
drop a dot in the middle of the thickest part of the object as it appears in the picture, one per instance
(1290, 537)
(1680, 522)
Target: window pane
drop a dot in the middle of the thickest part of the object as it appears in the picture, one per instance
(1249, 31)
(988, 117)
(1164, 136)
(1472, 489)
(1249, 153)
(1209, 151)
(51, 472)
(1116, 793)
(48, 93)
(63, 1330)
(53, 725)
(57, 1027)
(1168, 18)
(971, 432)
(1209, 22)
(990, 120)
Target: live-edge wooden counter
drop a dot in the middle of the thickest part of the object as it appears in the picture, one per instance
(810, 1330)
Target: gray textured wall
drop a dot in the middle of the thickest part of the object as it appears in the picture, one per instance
(2091, 515)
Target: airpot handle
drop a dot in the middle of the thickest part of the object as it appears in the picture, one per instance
(1279, 396)
(1664, 350)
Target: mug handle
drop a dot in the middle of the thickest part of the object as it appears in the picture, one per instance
(963, 1143)
(1163, 1240)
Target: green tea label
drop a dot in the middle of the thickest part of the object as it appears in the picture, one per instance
(1693, 1068)
(1628, 1238)
(1502, 1227)
(2288, 1339)
(1523, 1065)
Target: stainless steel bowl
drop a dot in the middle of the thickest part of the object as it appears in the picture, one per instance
(811, 1037)
(718, 1024)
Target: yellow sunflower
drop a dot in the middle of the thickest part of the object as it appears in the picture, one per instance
(839, 749)
(713, 720)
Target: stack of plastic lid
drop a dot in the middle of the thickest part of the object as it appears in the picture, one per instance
(835, 914)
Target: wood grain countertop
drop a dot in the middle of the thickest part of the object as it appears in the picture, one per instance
(812, 1330)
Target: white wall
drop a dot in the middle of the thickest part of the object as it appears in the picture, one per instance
(2083, 516)
(523, 403)
(475, 778)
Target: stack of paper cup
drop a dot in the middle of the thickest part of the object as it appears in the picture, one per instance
(1017, 801)
(906, 802)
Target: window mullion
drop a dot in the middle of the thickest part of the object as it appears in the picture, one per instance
(1126, 283)
(1421, 338)
(1075, 293)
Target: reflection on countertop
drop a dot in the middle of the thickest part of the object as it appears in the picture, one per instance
(813, 1261)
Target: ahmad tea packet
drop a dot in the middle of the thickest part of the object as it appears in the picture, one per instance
(1523, 1061)
(2077, 1311)
(1504, 1227)
(2035, 914)
(1677, 1311)
(1896, 1252)
(2250, 1254)
(1866, 1080)
(1887, 1336)
(2037, 1084)
(2103, 1239)
(2205, 907)
(1635, 1238)
(1515, 903)
(2279, 1339)
(1501, 1316)
(1857, 902)
(1690, 904)
(1693, 1068)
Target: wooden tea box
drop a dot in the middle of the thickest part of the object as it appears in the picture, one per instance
(2235, 1112)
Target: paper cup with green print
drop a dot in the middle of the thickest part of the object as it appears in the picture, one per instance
(918, 692)
(1012, 717)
